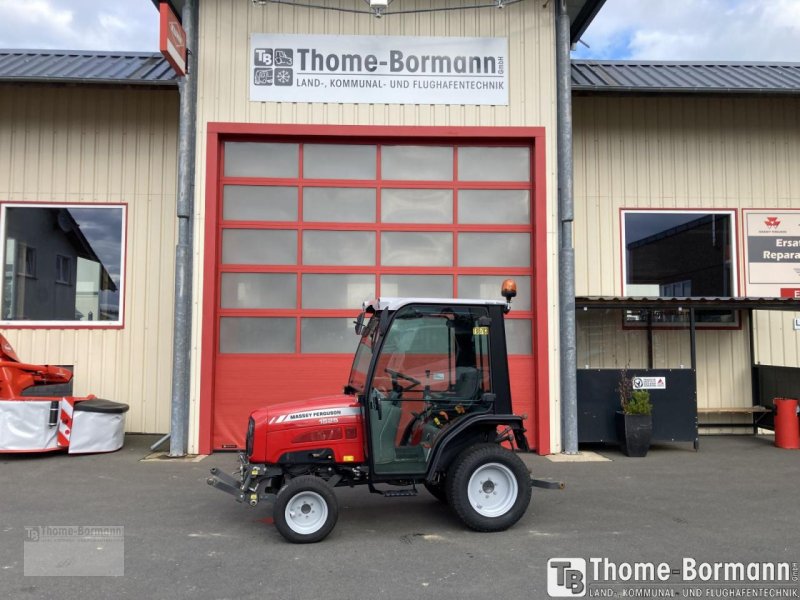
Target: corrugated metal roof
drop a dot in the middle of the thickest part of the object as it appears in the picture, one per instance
(693, 302)
(683, 77)
(147, 68)
(130, 68)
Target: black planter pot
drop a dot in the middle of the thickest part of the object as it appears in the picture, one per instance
(634, 433)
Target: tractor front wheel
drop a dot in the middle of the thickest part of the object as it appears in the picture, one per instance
(305, 510)
(488, 487)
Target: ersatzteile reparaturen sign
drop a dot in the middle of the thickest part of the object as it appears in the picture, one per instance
(378, 69)
(772, 252)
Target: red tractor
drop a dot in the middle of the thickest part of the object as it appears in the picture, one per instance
(427, 402)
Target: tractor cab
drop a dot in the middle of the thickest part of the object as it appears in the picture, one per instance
(421, 367)
(427, 402)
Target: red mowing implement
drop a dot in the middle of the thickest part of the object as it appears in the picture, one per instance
(30, 423)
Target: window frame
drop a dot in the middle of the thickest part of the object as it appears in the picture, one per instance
(118, 323)
(734, 262)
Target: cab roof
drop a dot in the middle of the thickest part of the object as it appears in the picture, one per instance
(391, 303)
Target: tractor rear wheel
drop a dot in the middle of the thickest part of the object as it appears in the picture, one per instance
(488, 487)
(305, 510)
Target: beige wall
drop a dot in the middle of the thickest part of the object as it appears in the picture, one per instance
(223, 96)
(92, 144)
(723, 375)
(686, 152)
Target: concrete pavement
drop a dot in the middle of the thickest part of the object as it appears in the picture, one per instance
(734, 500)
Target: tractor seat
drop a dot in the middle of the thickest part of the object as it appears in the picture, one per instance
(384, 449)
(467, 384)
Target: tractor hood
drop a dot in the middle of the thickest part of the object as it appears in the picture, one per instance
(309, 412)
(277, 433)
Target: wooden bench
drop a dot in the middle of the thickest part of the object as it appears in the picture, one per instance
(757, 413)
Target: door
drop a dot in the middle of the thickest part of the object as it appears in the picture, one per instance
(432, 369)
(306, 230)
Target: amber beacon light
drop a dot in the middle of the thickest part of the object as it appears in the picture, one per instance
(509, 290)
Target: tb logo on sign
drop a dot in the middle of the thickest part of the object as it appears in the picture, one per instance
(566, 577)
(273, 66)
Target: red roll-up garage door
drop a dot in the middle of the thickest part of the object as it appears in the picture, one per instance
(304, 229)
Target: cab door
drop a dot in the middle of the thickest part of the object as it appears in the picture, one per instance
(433, 368)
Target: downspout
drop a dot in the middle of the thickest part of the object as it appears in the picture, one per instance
(566, 253)
(182, 333)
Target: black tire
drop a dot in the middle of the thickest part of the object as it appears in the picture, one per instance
(437, 490)
(305, 510)
(513, 483)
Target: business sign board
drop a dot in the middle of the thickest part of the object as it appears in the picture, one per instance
(172, 39)
(378, 69)
(772, 253)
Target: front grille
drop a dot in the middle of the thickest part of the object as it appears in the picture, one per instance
(251, 430)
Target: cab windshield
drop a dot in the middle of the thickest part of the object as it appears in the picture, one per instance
(363, 357)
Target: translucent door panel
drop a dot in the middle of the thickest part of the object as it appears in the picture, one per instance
(416, 249)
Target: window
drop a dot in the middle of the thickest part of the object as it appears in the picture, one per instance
(75, 273)
(63, 269)
(679, 254)
(27, 261)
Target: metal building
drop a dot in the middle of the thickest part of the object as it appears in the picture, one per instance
(303, 207)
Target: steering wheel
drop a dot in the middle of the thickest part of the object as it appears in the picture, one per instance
(398, 375)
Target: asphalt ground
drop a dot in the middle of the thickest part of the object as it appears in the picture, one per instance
(734, 500)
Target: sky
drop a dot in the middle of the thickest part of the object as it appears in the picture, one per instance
(724, 30)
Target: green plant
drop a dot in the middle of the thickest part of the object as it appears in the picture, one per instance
(639, 403)
(632, 402)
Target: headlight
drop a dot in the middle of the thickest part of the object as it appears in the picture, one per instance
(251, 430)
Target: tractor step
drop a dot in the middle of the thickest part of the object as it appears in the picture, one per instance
(398, 493)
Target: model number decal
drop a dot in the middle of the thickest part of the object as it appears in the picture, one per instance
(325, 415)
(328, 421)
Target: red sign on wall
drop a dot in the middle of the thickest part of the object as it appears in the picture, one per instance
(790, 293)
(172, 39)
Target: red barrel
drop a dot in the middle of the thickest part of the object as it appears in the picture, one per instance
(787, 426)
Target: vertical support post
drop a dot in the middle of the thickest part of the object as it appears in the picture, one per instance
(182, 334)
(566, 253)
(755, 383)
(693, 339)
(693, 353)
(650, 338)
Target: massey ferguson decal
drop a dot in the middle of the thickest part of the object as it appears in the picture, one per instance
(326, 413)
(378, 69)
(772, 252)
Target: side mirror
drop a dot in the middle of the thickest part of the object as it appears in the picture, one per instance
(359, 323)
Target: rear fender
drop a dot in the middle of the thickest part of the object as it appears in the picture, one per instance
(468, 431)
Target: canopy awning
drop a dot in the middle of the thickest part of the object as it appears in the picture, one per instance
(730, 303)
